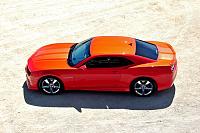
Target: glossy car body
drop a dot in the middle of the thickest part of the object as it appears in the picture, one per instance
(52, 60)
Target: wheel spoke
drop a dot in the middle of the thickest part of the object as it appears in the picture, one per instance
(148, 88)
(46, 80)
(143, 82)
(56, 91)
(54, 81)
(45, 86)
(57, 87)
(51, 90)
(139, 82)
(138, 88)
(143, 91)
(147, 83)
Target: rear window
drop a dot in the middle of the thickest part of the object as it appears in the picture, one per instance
(146, 49)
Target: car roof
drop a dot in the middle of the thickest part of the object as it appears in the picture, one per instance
(111, 45)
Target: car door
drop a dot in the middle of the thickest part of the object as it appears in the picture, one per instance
(100, 73)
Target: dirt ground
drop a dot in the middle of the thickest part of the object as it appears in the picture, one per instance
(27, 25)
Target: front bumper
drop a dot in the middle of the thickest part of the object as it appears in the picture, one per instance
(31, 80)
(31, 83)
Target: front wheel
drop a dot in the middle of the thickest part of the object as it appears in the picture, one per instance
(50, 85)
(143, 87)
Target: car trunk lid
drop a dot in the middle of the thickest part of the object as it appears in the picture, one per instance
(165, 51)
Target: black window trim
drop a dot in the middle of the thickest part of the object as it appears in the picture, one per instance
(106, 56)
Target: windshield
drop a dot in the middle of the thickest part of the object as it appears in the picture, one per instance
(79, 52)
(146, 49)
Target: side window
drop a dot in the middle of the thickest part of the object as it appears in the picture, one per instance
(108, 62)
(119, 62)
(99, 62)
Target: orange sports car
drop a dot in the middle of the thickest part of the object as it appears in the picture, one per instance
(103, 63)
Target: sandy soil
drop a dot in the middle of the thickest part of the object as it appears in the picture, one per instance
(27, 25)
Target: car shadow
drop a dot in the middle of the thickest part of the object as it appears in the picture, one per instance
(100, 100)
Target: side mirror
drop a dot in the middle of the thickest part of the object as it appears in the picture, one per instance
(83, 67)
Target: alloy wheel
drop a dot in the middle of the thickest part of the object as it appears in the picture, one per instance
(50, 85)
(143, 87)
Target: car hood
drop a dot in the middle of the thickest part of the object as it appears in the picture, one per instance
(52, 56)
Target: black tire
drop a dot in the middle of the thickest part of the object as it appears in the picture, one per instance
(50, 85)
(143, 87)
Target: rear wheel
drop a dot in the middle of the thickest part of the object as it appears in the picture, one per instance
(143, 87)
(50, 85)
